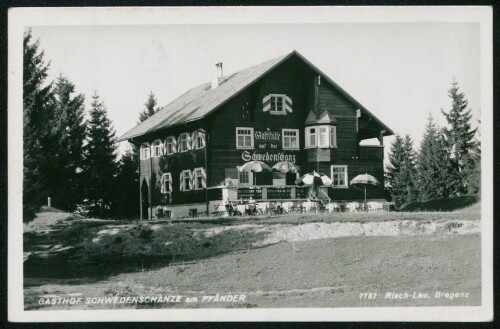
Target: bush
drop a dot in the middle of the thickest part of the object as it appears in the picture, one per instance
(445, 204)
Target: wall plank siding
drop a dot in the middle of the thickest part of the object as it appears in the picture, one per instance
(246, 110)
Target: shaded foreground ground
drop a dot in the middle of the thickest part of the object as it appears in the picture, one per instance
(294, 268)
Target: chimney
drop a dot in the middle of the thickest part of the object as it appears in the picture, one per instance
(218, 75)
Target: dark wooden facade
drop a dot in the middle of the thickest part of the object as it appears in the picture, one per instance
(310, 93)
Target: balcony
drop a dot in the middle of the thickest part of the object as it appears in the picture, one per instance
(371, 152)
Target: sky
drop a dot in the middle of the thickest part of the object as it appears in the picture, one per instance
(401, 72)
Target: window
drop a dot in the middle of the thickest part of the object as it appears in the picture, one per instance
(321, 136)
(290, 139)
(244, 138)
(199, 140)
(145, 151)
(166, 183)
(311, 137)
(339, 176)
(170, 145)
(199, 178)
(183, 142)
(277, 104)
(333, 136)
(186, 183)
(244, 177)
(157, 148)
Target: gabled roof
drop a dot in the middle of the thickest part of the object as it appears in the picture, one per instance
(200, 101)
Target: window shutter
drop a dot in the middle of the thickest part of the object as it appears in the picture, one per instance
(181, 186)
(288, 104)
(266, 103)
(174, 142)
(191, 179)
(179, 143)
(161, 147)
(203, 178)
(170, 182)
(188, 137)
(203, 139)
(163, 183)
(165, 146)
(193, 140)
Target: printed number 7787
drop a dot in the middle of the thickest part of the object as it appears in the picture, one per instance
(367, 295)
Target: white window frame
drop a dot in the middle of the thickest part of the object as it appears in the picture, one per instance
(170, 141)
(247, 175)
(308, 137)
(186, 174)
(296, 137)
(166, 182)
(323, 131)
(245, 147)
(195, 178)
(273, 109)
(199, 140)
(333, 133)
(346, 177)
(145, 151)
(330, 140)
(157, 149)
(181, 149)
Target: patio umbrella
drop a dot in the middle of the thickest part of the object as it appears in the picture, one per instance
(255, 166)
(286, 167)
(314, 179)
(364, 182)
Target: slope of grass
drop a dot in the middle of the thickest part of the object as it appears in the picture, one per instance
(318, 273)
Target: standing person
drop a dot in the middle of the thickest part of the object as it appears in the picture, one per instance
(251, 206)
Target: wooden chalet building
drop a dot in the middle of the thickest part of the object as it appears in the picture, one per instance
(284, 109)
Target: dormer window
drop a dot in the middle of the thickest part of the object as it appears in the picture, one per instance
(321, 137)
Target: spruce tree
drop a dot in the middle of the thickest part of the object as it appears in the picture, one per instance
(100, 167)
(37, 133)
(401, 171)
(70, 129)
(128, 185)
(395, 159)
(436, 177)
(460, 137)
(151, 108)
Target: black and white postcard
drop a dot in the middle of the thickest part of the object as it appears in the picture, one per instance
(250, 164)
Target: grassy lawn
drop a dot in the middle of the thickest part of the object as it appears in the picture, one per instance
(302, 260)
(319, 273)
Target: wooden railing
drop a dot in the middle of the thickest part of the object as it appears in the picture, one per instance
(371, 152)
(270, 192)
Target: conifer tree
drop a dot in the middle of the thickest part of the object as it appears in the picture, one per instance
(100, 167)
(128, 185)
(436, 177)
(37, 134)
(151, 108)
(460, 137)
(70, 130)
(401, 171)
(395, 159)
